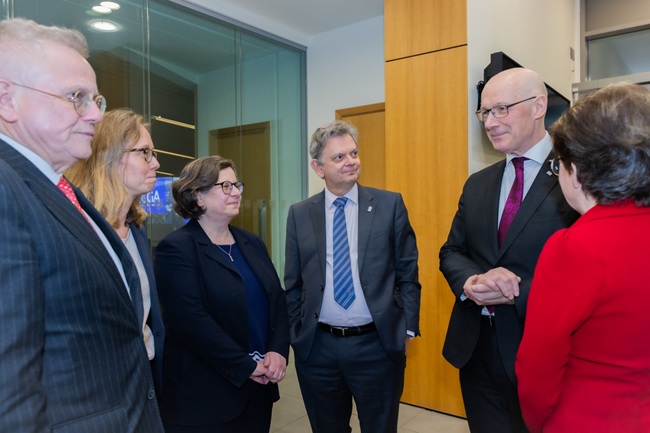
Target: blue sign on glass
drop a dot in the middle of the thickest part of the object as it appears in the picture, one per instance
(155, 202)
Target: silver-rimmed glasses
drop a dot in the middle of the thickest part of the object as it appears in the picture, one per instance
(147, 152)
(80, 99)
(500, 111)
(227, 186)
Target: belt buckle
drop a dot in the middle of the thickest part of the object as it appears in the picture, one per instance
(339, 329)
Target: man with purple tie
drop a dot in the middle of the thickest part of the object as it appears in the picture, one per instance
(506, 213)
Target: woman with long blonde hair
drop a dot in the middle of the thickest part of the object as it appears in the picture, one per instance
(120, 170)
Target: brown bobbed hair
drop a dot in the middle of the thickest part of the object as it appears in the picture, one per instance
(606, 135)
(197, 176)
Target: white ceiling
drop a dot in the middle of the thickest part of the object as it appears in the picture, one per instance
(311, 17)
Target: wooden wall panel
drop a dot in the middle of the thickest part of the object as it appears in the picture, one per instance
(426, 160)
(415, 27)
(370, 121)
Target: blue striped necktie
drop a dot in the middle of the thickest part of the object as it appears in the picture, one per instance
(343, 285)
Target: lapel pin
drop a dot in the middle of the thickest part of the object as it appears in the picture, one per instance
(548, 172)
(369, 208)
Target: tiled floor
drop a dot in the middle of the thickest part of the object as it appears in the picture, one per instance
(289, 414)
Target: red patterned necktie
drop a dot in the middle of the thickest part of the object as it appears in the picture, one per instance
(514, 199)
(66, 188)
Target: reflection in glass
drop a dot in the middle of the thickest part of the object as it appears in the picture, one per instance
(207, 87)
(619, 55)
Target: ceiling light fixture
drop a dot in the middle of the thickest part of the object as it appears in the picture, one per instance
(111, 5)
(104, 26)
(102, 9)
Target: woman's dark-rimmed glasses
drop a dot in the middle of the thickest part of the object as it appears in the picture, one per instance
(227, 186)
(147, 152)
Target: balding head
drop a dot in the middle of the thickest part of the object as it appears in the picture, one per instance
(520, 81)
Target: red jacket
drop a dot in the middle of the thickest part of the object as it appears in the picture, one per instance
(584, 361)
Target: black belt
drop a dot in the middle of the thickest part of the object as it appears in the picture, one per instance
(348, 331)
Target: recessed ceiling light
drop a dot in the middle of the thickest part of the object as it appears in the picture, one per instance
(111, 5)
(102, 9)
(104, 26)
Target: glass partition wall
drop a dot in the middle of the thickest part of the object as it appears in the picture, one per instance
(207, 87)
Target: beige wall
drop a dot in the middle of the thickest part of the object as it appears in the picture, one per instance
(603, 14)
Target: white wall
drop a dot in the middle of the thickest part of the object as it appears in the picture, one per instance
(536, 34)
(345, 68)
(241, 15)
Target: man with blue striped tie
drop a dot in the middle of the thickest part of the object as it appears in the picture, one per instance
(353, 296)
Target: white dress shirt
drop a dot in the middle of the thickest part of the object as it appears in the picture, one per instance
(332, 313)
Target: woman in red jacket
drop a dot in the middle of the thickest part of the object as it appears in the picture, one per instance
(584, 361)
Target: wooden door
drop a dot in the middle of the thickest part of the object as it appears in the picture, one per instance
(249, 146)
(370, 120)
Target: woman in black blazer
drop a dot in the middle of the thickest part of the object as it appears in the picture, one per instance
(224, 309)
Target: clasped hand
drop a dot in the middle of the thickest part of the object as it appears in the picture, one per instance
(272, 369)
(496, 286)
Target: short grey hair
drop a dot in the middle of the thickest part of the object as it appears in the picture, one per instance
(337, 128)
(20, 38)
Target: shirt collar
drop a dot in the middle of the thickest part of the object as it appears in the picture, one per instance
(352, 195)
(538, 153)
(34, 158)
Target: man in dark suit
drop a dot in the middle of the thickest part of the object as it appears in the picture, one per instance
(489, 263)
(352, 309)
(72, 358)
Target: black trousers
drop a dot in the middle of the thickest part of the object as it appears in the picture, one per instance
(490, 397)
(340, 369)
(256, 418)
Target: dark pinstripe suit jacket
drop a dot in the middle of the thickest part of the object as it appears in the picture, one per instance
(71, 352)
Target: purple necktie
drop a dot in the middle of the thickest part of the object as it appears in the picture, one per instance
(514, 199)
(512, 204)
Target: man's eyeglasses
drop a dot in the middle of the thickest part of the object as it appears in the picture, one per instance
(227, 186)
(148, 153)
(500, 111)
(554, 164)
(80, 99)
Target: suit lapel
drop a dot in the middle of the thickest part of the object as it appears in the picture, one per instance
(366, 210)
(317, 217)
(128, 266)
(130, 271)
(209, 249)
(64, 211)
(542, 185)
(254, 257)
(491, 191)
